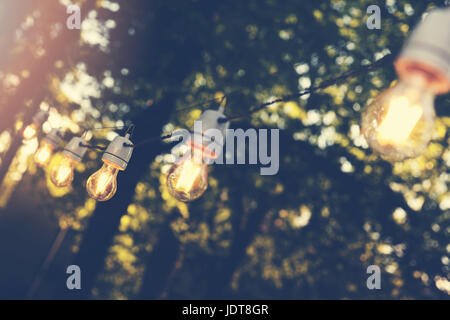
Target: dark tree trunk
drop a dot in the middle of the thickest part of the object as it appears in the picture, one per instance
(105, 220)
(246, 226)
(16, 142)
(167, 61)
(160, 264)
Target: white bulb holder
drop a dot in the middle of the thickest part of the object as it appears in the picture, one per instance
(119, 152)
(53, 137)
(210, 119)
(428, 50)
(40, 117)
(75, 149)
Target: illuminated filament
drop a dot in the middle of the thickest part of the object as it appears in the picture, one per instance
(102, 185)
(62, 175)
(399, 122)
(29, 132)
(43, 154)
(103, 182)
(189, 173)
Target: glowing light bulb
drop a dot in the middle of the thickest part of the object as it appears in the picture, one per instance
(399, 123)
(62, 174)
(48, 145)
(187, 179)
(30, 131)
(43, 154)
(102, 185)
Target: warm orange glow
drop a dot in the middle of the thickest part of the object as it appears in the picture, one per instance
(102, 185)
(399, 122)
(187, 179)
(189, 173)
(104, 179)
(30, 132)
(62, 174)
(43, 154)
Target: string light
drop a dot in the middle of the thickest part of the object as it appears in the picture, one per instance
(62, 174)
(399, 123)
(31, 130)
(102, 185)
(48, 145)
(187, 178)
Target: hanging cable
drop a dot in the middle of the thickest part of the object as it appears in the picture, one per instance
(220, 101)
(323, 85)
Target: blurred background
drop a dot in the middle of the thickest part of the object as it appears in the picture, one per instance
(309, 232)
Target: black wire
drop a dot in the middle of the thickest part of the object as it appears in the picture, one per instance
(89, 146)
(130, 130)
(103, 128)
(149, 140)
(324, 84)
(206, 102)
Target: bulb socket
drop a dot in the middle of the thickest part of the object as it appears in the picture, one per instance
(428, 51)
(199, 138)
(75, 149)
(53, 137)
(119, 152)
(40, 117)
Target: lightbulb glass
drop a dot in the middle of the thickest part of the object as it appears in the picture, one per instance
(62, 174)
(187, 179)
(43, 154)
(102, 185)
(30, 131)
(399, 123)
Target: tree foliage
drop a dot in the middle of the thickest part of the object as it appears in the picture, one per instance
(310, 231)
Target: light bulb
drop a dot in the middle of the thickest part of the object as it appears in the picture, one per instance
(30, 131)
(48, 144)
(187, 179)
(102, 185)
(399, 123)
(43, 154)
(62, 174)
